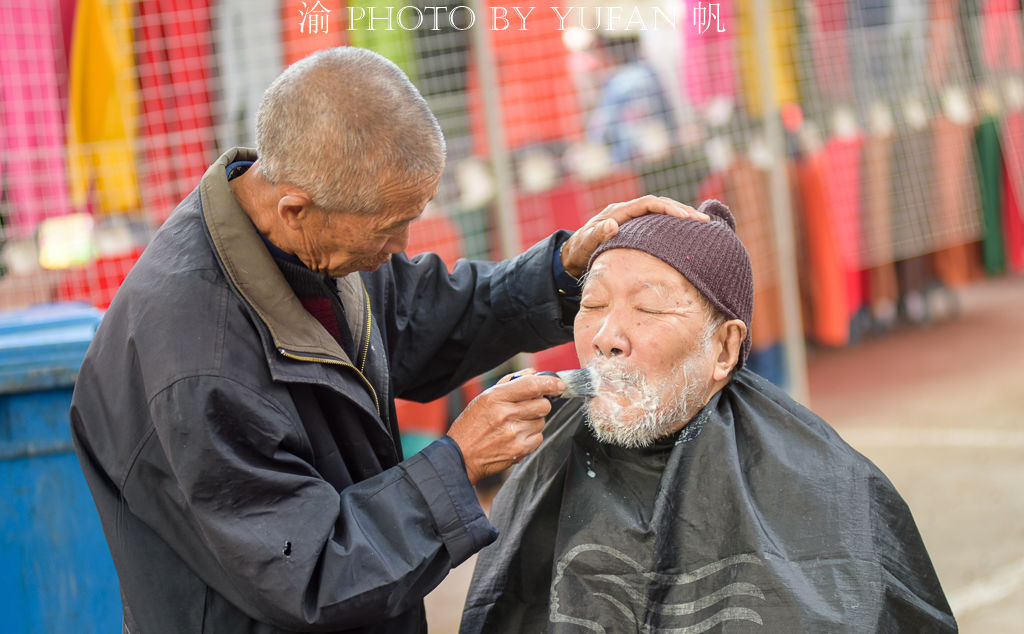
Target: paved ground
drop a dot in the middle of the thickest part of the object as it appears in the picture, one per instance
(941, 410)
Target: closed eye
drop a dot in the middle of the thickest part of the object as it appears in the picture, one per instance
(651, 312)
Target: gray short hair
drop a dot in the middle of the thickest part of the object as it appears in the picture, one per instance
(339, 122)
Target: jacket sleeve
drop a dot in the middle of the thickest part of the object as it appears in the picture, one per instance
(450, 327)
(251, 515)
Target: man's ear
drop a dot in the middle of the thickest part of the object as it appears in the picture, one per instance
(730, 337)
(293, 206)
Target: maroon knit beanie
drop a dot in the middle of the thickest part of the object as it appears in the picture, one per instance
(708, 254)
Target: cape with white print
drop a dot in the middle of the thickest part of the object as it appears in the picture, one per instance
(757, 517)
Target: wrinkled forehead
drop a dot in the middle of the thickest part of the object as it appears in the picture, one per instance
(630, 270)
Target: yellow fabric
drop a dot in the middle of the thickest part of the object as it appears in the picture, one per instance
(782, 43)
(387, 37)
(103, 111)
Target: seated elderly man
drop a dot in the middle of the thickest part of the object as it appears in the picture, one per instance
(690, 494)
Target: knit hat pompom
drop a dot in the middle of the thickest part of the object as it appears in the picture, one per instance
(707, 253)
(718, 211)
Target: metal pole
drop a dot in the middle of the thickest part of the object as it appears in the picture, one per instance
(785, 245)
(501, 162)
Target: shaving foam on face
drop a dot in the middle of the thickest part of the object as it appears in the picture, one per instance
(629, 410)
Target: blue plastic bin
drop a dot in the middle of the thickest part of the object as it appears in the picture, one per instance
(56, 574)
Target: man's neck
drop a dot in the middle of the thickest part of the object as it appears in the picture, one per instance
(713, 389)
(258, 199)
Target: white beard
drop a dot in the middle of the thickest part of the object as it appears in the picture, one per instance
(653, 411)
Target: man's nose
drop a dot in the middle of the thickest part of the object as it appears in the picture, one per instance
(612, 339)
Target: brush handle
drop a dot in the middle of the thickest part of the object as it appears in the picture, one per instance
(551, 399)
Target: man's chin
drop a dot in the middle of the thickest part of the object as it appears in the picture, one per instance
(373, 266)
(623, 426)
(613, 403)
(612, 428)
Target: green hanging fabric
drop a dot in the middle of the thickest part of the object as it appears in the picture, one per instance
(386, 37)
(990, 165)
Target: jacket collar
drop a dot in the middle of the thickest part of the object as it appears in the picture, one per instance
(251, 268)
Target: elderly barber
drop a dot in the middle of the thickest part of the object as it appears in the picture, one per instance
(690, 494)
(235, 416)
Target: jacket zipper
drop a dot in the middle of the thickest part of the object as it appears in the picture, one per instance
(384, 414)
(366, 336)
(369, 385)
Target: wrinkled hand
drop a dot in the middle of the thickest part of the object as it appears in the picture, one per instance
(503, 424)
(577, 251)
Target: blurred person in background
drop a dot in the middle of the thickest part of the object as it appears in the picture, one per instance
(633, 116)
(690, 492)
(235, 414)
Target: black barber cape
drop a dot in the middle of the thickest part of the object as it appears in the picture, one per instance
(756, 517)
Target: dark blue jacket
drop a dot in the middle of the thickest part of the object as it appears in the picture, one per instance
(247, 472)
